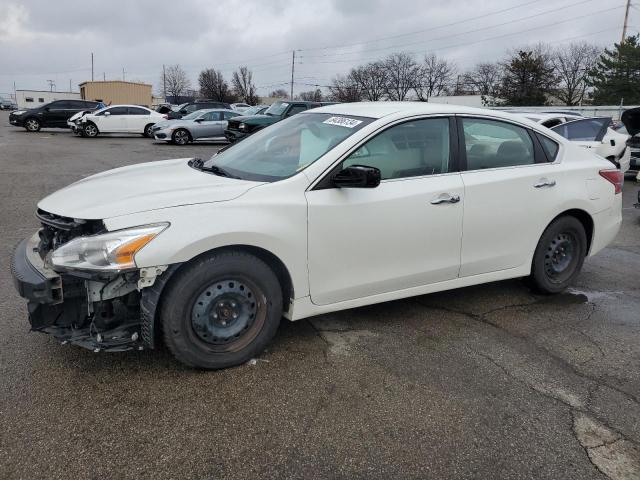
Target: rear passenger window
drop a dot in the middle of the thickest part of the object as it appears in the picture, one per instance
(411, 149)
(137, 111)
(549, 146)
(494, 144)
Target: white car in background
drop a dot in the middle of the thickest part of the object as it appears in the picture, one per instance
(588, 132)
(119, 119)
(596, 134)
(240, 107)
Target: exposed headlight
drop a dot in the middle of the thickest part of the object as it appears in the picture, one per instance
(108, 251)
(244, 127)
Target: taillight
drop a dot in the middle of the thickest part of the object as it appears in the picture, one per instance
(615, 177)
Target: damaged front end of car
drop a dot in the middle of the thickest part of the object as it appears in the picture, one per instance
(82, 284)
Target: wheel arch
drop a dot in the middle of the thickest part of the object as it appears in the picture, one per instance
(584, 218)
(151, 299)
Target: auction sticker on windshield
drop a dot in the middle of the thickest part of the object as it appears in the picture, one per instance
(343, 122)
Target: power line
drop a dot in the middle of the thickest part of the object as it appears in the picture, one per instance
(422, 31)
(465, 44)
(480, 29)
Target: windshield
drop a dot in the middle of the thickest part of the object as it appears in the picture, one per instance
(252, 110)
(277, 109)
(193, 115)
(286, 148)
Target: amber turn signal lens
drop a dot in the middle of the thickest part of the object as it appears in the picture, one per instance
(124, 254)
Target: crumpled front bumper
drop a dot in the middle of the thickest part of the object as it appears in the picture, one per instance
(59, 304)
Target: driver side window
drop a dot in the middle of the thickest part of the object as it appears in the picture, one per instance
(410, 149)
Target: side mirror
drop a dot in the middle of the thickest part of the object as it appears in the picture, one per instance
(183, 111)
(199, 120)
(106, 114)
(357, 176)
(46, 109)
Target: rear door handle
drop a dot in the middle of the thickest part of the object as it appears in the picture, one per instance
(543, 182)
(445, 198)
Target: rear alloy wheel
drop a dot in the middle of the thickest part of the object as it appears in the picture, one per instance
(90, 130)
(148, 131)
(181, 137)
(559, 255)
(221, 310)
(32, 125)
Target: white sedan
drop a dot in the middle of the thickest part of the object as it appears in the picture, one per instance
(338, 207)
(119, 119)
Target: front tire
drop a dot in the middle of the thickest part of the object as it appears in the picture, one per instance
(559, 255)
(181, 137)
(90, 130)
(32, 125)
(221, 310)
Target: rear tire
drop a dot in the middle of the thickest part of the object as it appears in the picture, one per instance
(221, 310)
(559, 255)
(147, 131)
(32, 125)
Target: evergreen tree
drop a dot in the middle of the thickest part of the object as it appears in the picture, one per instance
(528, 76)
(616, 76)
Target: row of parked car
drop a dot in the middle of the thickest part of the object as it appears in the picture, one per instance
(207, 120)
(202, 120)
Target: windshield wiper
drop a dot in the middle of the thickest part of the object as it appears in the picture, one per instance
(198, 164)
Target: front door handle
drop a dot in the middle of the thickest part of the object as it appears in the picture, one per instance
(445, 198)
(543, 182)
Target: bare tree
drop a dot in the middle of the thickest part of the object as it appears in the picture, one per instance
(345, 89)
(401, 74)
(433, 77)
(484, 79)
(572, 64)
(372, 80)
(176, 80)
(214, 86)
(279, 93)
(311, 95)
(243, 86)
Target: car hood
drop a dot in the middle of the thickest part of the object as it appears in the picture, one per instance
(178, 122)
(140, 188)
(256, 119)
(631, 120)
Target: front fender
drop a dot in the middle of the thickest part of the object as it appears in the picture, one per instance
(281, 229)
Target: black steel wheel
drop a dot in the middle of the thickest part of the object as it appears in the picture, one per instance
(221, 310)
(559, 255)
(32, 125)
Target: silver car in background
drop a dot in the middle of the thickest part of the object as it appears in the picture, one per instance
(208, 124)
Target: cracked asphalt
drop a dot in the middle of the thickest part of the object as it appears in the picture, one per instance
(484, 382)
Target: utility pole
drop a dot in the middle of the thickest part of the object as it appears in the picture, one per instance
(104, 76)
(51, 84)
(70, 91)
(123, 74)
(293, 68)
(626, 20)
(92, 66)
(164, 83)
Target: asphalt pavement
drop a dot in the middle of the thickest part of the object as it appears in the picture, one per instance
(483, 382)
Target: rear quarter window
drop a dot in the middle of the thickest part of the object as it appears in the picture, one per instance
(549, 146)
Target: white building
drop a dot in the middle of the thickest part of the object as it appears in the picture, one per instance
(36, 98)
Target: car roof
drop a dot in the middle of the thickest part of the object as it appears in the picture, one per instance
(382, 109)
(122, 105)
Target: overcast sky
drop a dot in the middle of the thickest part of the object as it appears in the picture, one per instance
(44, 39)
